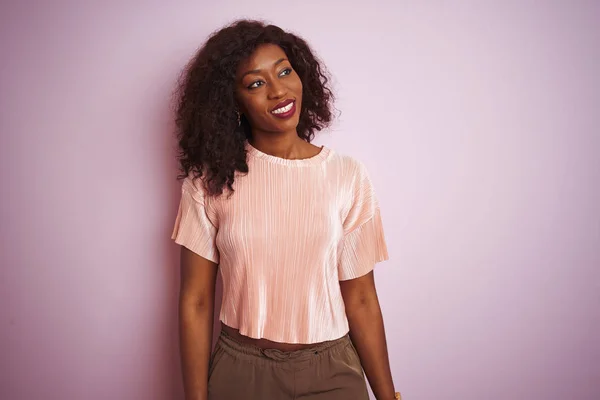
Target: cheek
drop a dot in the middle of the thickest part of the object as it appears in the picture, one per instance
(298, 90)
(251, 105)
(254, 110)
(298, 85)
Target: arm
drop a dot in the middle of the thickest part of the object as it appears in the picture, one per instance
(196, 309)
(367, 333)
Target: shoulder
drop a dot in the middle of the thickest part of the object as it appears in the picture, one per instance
(350, 166)
(195, 186)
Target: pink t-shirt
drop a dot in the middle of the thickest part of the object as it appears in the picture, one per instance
(289, 233)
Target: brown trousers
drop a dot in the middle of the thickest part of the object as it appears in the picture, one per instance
(327, 371)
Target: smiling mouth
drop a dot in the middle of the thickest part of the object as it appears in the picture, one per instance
(285, 108)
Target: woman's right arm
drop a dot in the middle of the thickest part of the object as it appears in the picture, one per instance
(196, 309)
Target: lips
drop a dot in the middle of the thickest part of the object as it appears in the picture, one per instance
(282, 104)
(284, 110)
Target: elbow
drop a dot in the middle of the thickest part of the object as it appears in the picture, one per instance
(363, 304)
(196, 301)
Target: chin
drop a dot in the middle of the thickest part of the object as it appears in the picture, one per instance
(286, 126)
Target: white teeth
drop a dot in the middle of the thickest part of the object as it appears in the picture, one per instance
(283, 109)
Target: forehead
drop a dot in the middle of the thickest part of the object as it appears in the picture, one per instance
(263, 57)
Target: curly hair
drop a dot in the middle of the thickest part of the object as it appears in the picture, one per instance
(210, 140)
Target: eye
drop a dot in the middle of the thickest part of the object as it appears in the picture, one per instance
(256, 84)
(285, 72)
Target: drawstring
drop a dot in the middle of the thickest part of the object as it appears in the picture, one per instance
(279, 355)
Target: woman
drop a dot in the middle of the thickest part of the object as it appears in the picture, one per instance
(295, 230)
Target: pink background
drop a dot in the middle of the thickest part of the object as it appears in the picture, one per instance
(480, 125)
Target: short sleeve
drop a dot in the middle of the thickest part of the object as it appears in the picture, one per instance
(193, 228)
(363, 244)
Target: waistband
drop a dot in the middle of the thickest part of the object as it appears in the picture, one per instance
(235, 347)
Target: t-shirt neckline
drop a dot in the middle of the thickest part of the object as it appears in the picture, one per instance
(316, 159)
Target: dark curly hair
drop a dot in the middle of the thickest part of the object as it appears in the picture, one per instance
(211, 142)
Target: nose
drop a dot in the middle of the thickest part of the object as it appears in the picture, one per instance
(277, 89)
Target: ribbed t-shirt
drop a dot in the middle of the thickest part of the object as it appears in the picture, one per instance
(291, 230)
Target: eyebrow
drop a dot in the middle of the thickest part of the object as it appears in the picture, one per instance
(256, 71)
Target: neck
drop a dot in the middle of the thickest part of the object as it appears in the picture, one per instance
(288, 145)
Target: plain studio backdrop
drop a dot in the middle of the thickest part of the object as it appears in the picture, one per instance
(479, 122)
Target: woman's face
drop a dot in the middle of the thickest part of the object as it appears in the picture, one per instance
(268, 91)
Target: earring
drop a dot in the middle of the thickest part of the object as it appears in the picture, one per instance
(239, 118)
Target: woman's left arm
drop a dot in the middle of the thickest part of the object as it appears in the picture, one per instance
(367, 333)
